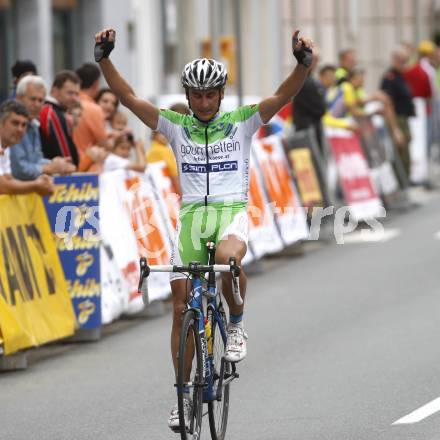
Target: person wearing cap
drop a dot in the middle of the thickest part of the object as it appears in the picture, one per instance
(19, 70)
(212, 150)
(421, 79)
(418, 77)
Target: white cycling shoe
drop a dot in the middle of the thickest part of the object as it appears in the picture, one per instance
(173, 420)
(236, 344)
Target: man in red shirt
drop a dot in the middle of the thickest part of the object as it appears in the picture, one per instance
(56, 137)
(417, 77)
(421, 79)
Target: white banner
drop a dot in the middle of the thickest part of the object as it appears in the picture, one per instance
(263, 234)
(134, 223)
(114, 288)
(117, 233)
(150, 224)
(167, 199)
(280, 189)
(419, 143)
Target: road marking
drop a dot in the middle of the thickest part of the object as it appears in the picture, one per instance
(419, 414)
(370, 236)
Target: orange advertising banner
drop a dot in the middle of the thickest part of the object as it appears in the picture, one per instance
(280, 188)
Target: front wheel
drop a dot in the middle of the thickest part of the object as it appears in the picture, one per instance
(190, 379)
(218, 409)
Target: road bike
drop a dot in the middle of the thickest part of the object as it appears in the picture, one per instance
(202, 371)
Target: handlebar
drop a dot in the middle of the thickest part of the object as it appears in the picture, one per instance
(192, 268)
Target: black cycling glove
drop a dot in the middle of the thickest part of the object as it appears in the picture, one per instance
(103, 49)
(303, 55)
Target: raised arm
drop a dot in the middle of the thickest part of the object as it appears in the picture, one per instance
(302, 50)
(143, 109)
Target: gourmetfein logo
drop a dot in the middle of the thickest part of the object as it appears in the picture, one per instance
(210, 168)
(200, 151)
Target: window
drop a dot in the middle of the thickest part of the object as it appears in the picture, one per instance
(63, 31)
(62, 39)
(6, 48)
(169, 36)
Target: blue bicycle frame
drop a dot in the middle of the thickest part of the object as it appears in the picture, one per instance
(227, 373)
(196, 303)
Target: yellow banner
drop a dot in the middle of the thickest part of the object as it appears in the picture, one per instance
(308, 184)
(35, 306)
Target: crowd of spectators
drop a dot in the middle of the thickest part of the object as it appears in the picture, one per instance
(75, 126)
(335, 96)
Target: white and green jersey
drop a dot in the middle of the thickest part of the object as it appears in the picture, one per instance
(212, 158)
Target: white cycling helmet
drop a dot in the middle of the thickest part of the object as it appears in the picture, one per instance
(204, 74)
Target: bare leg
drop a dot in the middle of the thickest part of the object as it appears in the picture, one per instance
(232, 247)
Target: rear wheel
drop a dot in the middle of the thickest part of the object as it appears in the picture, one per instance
(190, 376)
(218, 410)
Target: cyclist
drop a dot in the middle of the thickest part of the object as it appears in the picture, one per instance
(212, 152)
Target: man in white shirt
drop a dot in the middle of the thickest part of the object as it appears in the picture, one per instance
(13, 124)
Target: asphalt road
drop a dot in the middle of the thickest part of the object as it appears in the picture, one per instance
(343, 342)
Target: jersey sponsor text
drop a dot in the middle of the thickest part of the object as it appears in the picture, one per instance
(211, 167)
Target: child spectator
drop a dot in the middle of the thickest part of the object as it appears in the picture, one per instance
(119, 158)
(119, 122)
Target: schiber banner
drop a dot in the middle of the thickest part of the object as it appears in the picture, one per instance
(35, 307)
(73, 212)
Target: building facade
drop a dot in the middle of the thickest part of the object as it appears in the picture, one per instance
(156, 37)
